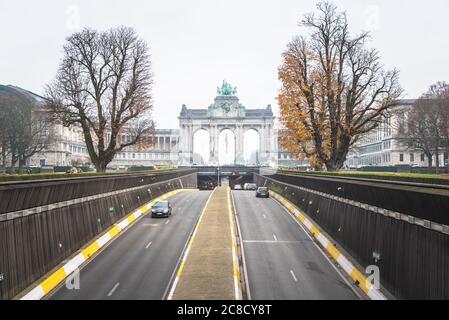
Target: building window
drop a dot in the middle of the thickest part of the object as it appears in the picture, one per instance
(422, 157)
(412, 157)
(401, 157)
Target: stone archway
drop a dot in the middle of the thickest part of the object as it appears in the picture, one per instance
(251, 147)
(226, 113)
(226, 147)
(201, 147)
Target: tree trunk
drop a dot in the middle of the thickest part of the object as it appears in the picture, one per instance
(4, 157)
(437, 162)
(21, 163)
(331, 166)
(101, 165)
(429, 161)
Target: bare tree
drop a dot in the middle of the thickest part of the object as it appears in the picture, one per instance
(428, 123)
(334, 88)
(25, 130)
(3, 129)
(104, 85)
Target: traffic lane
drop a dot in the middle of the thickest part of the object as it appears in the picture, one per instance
(282, 261)
(139, 264)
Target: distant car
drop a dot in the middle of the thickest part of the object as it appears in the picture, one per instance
(161, 209)
(245, 186)
(262, 192)
(237, 187)
(74, 170)
(251, 186)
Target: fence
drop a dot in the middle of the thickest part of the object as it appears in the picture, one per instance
(22, 195)
(34, 241)
(414, 260)
(418, 200)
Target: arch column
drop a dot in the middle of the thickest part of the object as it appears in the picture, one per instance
(213, 146)
(184, 144)
(239, 145)
(263, 144)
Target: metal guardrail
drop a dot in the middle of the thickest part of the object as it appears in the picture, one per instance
(416, 200)
(370, 180)
(16, 196)
(410, 252)
(35, 239)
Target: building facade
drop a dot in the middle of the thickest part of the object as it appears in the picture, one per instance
(176, 146)
(227, 114)
(385, 146)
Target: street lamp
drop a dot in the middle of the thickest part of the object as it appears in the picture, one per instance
(218, 176)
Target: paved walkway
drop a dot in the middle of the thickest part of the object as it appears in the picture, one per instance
(207, 273)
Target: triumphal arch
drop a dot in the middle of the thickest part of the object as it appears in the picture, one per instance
(227, 113)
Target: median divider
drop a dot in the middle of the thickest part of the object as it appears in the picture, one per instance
(356, 275)
(209, 268)
(52, 281)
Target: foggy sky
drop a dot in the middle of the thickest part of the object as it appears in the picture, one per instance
(196, 44)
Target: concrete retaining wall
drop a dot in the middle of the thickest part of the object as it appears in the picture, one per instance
(34, 242)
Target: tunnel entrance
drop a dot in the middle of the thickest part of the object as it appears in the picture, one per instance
(207, 182)
(209, 177)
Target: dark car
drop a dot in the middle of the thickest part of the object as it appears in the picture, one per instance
(161, 209)
(262, 192)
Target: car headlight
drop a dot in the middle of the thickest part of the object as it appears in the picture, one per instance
(166, 211)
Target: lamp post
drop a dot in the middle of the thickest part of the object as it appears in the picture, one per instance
(218, 176)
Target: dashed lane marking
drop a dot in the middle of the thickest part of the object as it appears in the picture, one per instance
(293, 275)
(113, 289)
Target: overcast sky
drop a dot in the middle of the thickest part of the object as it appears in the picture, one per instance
(198, 43)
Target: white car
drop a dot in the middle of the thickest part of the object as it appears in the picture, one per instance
(237, 187)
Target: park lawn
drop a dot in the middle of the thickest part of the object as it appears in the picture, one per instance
(43, 176)
(391, 176)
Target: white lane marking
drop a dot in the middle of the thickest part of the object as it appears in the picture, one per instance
(150, 225)
(149, 244)
(275, 238)
(167, 222)
(242, 248)
(264, 216)
(293, 275)
(321, 251)
(113, 289)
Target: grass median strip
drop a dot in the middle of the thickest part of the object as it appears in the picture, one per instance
(208, 270)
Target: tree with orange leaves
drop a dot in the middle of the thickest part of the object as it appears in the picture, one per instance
(334, 88)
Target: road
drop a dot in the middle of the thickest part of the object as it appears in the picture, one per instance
(139, 264)
(282, 261)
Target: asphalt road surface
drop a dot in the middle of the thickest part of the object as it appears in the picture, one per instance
(139, 264)
(282, 261)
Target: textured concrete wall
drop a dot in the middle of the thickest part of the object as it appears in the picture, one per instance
(33, 244)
